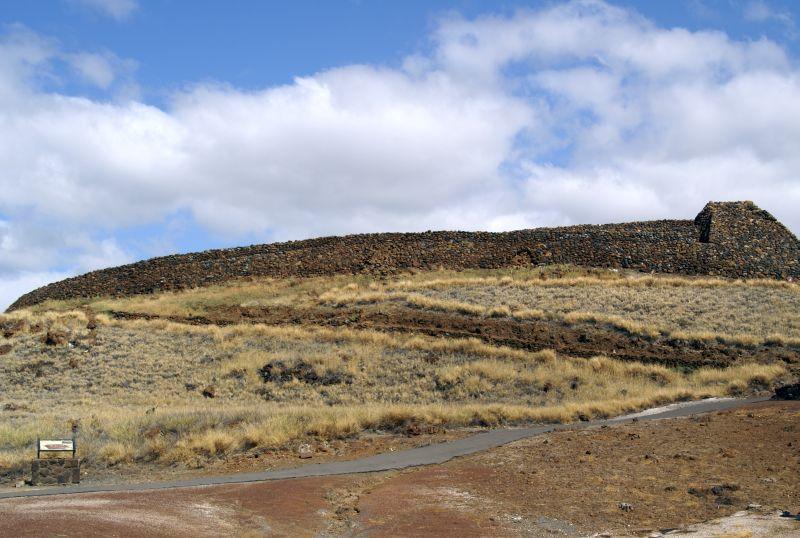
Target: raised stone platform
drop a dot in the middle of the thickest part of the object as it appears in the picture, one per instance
(50, 471)
(728, 239)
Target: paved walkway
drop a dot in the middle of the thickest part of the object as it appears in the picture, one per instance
(426, 455)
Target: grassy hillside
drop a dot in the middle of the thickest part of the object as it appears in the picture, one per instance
(185, 378)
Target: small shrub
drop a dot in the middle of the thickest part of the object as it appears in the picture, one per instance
(115, 453)
(280, 372)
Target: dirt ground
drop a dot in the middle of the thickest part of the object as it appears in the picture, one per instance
(635, 479)
(578, 340)
(671, 473)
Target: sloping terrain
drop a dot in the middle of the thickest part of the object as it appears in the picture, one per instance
(251, 369)
(671, 475)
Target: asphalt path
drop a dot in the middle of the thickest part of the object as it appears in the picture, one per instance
(402, 459)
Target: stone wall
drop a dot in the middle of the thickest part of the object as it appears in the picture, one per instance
(739, 239)
(729, 239)
(55, 471)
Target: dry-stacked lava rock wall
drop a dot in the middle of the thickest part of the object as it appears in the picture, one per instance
(730, 239)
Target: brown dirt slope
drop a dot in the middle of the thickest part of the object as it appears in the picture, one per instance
(579, 340)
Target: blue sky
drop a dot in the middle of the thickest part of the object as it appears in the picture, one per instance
(251, 44)
(132, 128)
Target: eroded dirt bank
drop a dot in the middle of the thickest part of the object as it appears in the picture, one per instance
(578, 339)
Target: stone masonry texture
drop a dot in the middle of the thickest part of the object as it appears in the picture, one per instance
(55, 471)
(727, 239)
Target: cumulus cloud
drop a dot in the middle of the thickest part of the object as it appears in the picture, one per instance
(116, 9)
(14, 286)
(580, 112)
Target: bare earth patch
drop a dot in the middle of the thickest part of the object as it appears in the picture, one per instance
(673, 474)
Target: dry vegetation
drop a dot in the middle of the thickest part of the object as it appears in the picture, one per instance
(174, 393)
(736, 312)
(136, 388)
(302, 292)
(747, 313)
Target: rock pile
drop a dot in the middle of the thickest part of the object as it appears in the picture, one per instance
(730, 239)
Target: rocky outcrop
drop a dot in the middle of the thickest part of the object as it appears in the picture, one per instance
(729, 239)
(787, 392)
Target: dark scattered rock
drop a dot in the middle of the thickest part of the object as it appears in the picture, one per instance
(5, 348)
(55, 337)
(264, 393)
(279, 372)
(413, 429)
(37, 367)
(722, 493)
(190, 387)
(787, 392)
(431, 358)
(11, 327)
(210, 391)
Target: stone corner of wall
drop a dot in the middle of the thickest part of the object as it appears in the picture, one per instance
(721, 222)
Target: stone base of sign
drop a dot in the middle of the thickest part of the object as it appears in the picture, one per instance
(51, 471)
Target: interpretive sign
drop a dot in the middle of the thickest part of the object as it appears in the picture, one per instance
(55, 445)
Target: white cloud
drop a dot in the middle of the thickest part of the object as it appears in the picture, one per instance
(581, 112)
(116, 9)
(759, 11)
(95, 68)
(14, 286)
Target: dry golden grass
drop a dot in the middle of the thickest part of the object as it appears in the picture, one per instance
(750, 313)
(266, 292)
(736, 312)
(135, 387)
